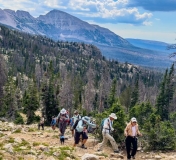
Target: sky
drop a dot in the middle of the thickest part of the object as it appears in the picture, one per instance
(139, 19)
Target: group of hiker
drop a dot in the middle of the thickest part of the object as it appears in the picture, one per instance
(81, 126)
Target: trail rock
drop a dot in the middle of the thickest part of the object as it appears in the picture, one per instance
(50, 158)
(18, 140)
(30, 157)
(116, 155)
(87, 156)
(157, 157)
(8, 148)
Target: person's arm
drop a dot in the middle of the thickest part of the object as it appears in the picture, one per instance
(91, 124)
(126, 131)
(138, 132)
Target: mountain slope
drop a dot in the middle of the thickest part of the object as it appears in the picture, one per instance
(59, 25)
(149, 44)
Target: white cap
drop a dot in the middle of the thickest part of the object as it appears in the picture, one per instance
(113, 115)
(133, 119)
(63, 111)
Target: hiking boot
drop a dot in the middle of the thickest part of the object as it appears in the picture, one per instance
(133, 157)
(116, 151)
(83, 147)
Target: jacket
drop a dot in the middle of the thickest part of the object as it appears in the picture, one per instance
(80, 126)
(128, 130)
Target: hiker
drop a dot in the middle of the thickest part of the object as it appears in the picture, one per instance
(73, 120)
(131, 132)
(106, 130)
(53, 123)
(62, 120)
(41, 123)
(81, 130)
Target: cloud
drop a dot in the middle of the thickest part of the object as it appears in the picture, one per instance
(154, 5)
(109, 11)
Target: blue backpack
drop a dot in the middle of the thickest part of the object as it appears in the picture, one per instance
(102, 123)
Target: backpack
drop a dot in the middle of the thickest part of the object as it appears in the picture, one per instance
(102, 123)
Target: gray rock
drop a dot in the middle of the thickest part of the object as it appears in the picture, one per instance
(87, 156)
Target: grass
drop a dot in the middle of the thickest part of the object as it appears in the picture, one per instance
(11, 140)
(18, 148)
(32, 129)
(36, 143)
(64, 153)
(17, 131)
(1, 135)
(102, 154)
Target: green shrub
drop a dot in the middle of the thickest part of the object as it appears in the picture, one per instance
(18, 119)
(160, 134)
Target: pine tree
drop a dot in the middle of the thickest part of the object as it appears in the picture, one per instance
(31, 102)
(166, 94)
(135, 93)
(112, 95)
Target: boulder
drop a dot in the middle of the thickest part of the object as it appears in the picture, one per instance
(87, 156)
(157, 157)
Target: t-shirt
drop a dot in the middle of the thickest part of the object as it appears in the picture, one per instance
(133, 130)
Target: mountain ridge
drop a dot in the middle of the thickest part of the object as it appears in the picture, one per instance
(59, 25)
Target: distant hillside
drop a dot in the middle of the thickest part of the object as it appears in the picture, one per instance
(81, 75)
(149, 44)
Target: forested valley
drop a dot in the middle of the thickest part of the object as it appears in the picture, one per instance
(37, 73)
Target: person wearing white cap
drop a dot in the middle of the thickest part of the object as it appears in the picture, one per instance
(62, 120)
(131, 131)
(107, 128)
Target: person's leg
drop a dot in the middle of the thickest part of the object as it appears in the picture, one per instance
(39, 126)
(104, 142)
(134, 142)
(84, 139)
(128, 146)
(76, 138)
(61, 128)
(64, 126)
(42, 126)
(112, 141)
(72, 132)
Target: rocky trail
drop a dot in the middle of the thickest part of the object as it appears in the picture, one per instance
(26, 142)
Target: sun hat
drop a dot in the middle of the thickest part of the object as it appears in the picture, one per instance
(63, 111)
(113, 115)
(75, 111)
(133, 119)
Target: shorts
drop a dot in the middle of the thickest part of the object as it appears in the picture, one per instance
(77, 136)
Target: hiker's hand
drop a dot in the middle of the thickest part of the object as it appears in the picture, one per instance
(112, 129)
(125, 134)
(140, 134)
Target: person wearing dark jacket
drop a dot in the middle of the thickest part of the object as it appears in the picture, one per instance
(62, 120)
